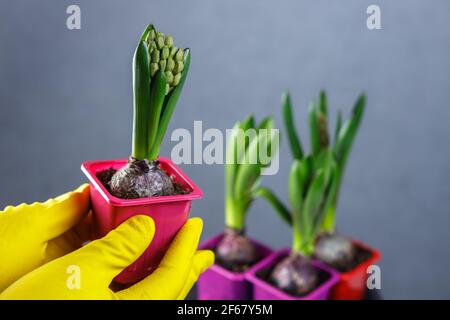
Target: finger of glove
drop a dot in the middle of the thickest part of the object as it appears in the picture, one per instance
(202, 260)
(69, 241)
(184, 245)
(83, 230)
(167, 281)
(45, 221)
(105, 258)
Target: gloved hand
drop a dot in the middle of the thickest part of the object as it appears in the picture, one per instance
(35, 241)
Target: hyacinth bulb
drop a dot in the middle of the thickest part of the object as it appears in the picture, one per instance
(235, 251)
(141, 179)
(335, 250)
(295, 274)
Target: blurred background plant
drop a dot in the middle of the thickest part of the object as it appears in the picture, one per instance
(247, 145)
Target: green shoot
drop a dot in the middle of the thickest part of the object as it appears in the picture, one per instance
(288, 118)
(311, 191)
(344, 135)
(159, 72)
(141, 100)
(246, 144)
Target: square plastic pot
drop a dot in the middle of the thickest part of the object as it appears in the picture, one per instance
(352, 284)
(263, 290)
(169, 213)
(218, 283)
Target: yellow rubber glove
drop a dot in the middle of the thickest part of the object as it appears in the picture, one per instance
(31, 235)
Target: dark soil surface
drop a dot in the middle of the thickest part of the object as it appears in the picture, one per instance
(106, 175)
(264, 274)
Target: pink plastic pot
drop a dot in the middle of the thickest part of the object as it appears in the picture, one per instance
(218, 283)
(262, 290)
(168, 212)
(352, 284)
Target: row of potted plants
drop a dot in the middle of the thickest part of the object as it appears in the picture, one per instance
(321, 263)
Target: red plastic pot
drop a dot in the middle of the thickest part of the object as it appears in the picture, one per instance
(169, 213)
(263, 290)
(218, 283)
(352, 284)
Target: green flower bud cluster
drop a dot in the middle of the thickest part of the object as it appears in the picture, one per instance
(165, 56)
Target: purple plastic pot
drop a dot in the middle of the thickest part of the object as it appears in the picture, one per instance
(218, 283)
(262, 290)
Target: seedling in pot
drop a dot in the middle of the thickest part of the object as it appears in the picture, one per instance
(159, 72)
(332, 247)
(243, 168)
(312, 184)
(145, 183)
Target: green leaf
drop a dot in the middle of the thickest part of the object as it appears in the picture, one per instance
(146, 31)
(243, 179)
(248, 172)
(231, 156)
(318, 124)
(323, 103)
(141, 100)
(231, 167)
(296, 201)
(266, 123)
(338, 126)
(307, 170)
(314, 128)
(288, 118)
(348, 131)
(169, 106)
(276, 203)
(324, 160)
(250, 169)
(313, 206)
(347, 135)
(247, 124)
(328, 222)
(157, 95)
(269, 139)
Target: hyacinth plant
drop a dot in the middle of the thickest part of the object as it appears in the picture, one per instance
(312, 185)
(250, 149)
(332, 247)
(159, 72)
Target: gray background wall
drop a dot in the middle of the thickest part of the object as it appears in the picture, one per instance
(65, 97)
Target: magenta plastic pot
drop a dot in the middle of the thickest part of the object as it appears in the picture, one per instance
(218, 283)
(169, 213)
(262, 290)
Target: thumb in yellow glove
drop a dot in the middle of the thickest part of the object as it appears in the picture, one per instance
(87, 272)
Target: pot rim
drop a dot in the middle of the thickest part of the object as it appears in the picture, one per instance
(268, 261)
(210, 243)
(375, 256)
(89, 169)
